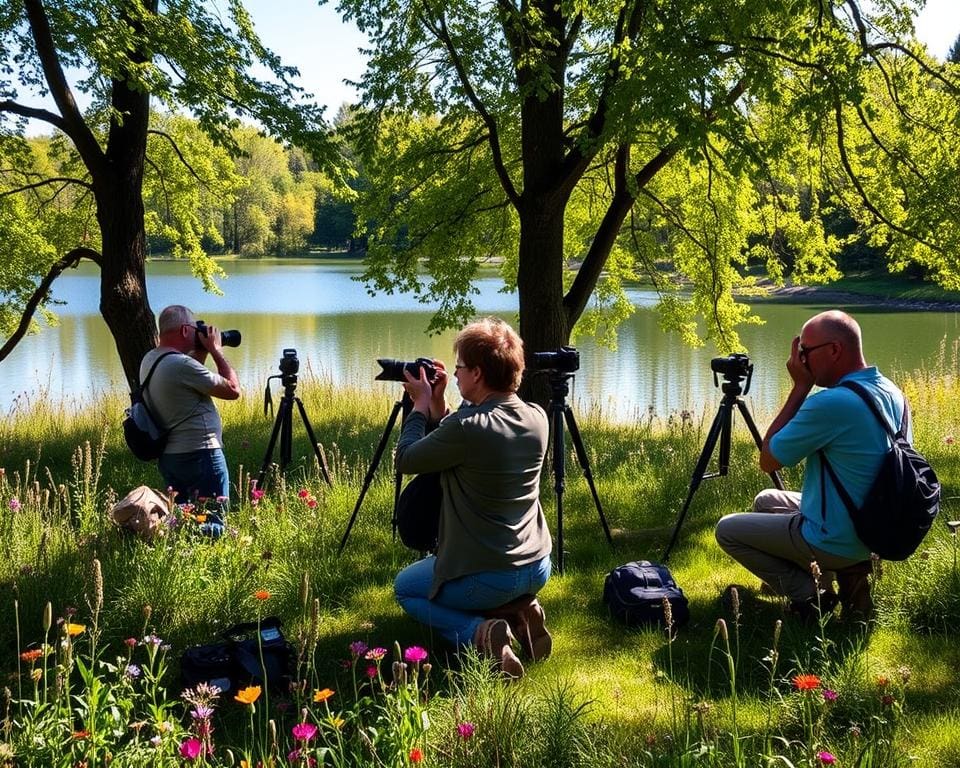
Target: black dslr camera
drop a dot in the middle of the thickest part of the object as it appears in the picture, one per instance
(227, 338)
(392, 370)
(735, 366)
(563, 360)
(289, 364)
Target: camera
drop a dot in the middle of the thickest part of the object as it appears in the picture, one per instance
(227, 338)
(735, 366)
(392, 370)
(564, 360)
(289, 364)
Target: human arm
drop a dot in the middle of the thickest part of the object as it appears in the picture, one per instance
(229, 386)
(427, 396)
(802, 384)
(419, 452)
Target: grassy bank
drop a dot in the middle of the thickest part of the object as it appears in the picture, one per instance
(716, 694)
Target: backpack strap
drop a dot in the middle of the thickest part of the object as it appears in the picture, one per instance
(861, 391)
(153, 367)
(143, 391)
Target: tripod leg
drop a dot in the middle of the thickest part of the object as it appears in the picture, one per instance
(286, 432)
(317, 450)
(378, 454)
(585, 466)
(722, 417)
(775, 476)
(556, 413)
(268, 456)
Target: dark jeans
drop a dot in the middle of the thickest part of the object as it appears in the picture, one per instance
(195, 474)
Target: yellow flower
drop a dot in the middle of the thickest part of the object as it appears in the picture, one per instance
(261, 594)
(248, 695)
(321, 696)
(75, 629)
(36, 674)
(337, 722)
(201, 518)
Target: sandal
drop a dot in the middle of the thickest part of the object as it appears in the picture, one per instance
(494, 640)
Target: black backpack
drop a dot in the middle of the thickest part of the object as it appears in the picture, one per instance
(905, 496)
(145, 439)
(418, 512)
(634, 594)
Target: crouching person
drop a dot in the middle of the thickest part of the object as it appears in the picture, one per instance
(493, 551)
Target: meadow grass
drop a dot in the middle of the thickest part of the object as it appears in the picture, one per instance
(718, 692)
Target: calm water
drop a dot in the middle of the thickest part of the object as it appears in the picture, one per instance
(339, 331)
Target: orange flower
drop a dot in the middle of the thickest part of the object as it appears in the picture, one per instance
(261, 594)
(248, 695)
(201, 518)
(32, 655)
(321, 696)
(74, 629)
(416, 755)
(883, 681)
(78, 735)
(806, 682)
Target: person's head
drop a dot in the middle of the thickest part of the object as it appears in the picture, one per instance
(831, 346)
(489, 358)
(177, 328)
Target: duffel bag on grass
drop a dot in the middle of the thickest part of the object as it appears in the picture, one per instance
(634, 594)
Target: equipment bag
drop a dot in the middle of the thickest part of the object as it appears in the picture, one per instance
(418, 512)
(144, 437)
(634, 594)
(236, 662)
(905, 496)
(141, 511)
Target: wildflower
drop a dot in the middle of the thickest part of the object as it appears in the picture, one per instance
(886, 700)
(152, 639)
(74, 629)
(304, 731)
(14, 504)
(201, 518)
(190, 749)
(882, 681)
(80, 735)
(905, 673)
(311, 503)
(829, 694)
(255, 495)
(371, 672)
(414, 654)
(295, 757)
(358, 648)
(949, 440)
(132, 671)
(262, 594)
(416, 755)
(303, 493)
(130, 642)
(465, 730)
(248, 695)
(806, 682)
(155, 740)
(337, 722)
(36, 674)
(376, 654)
(31, 655)
(321, 696)
(201, 712)
(826, 758)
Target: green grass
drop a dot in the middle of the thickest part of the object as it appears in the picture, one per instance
(893, 288)
(608, 695)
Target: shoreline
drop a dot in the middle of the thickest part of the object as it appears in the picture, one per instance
(799, 294)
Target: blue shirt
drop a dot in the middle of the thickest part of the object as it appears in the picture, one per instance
(837, 421)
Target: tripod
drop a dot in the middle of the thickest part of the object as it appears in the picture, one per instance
(720, 429)
(404, 404)
(283, 426)
(559, 411)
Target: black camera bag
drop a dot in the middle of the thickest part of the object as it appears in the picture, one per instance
(634, 595)
(418, 512)
(236, 662)
(145, 438)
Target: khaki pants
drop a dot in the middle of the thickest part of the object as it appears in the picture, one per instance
(768, 543)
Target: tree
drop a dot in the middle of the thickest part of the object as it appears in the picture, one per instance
(588, 143)
(132, 51)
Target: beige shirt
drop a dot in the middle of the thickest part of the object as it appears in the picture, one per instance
(489, 457)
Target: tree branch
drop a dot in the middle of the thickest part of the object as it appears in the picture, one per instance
(52, 180)
(34, 113)
(183, 160)
(72, 259)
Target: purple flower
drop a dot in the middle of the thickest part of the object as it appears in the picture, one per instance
(14, 504)
(466, 730)
(132, 671)
(190, 749)
(152, 640)
(201, 713)
(304, 731)
(829, 695)
(414, 654)
(358, 648)
(826, 758)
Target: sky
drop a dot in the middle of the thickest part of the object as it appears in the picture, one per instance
(312, 38)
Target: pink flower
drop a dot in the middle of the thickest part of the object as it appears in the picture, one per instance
(190, 749)
(358, 648)
(371, 672)
(376, 654)
(294, 757)
(826, 758)
(466, 730)
(829, 695)
(256, 494)
(14, 504)
(130, 642)
(304, 731)
(414, 654)
(311, 503)
(303, 493)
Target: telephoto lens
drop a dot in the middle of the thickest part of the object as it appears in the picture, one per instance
(227, 338)
(392, 370)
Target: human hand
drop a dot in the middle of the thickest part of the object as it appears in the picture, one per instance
(419, 390)
(438, 404)
(798, 370)
(211, 340)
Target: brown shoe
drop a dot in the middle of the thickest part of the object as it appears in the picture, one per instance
(532, 631)
(854, 588)
(494, 640)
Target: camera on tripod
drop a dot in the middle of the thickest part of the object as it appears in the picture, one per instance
(734, 369)
(563, 360)
(392, 370)
(227, 338)
(289, 365)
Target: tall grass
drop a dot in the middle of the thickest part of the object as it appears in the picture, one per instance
(608, 696)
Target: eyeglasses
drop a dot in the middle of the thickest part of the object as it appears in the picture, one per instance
(803, 351)
(458, 366)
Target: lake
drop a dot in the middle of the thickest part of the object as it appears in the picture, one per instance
(338, 330)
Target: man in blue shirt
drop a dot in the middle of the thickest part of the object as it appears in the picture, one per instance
(788, 531)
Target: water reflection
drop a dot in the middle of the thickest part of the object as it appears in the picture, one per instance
(339, 331)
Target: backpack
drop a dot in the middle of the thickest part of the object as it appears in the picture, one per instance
(634, 595)
(904, 499)
(140, 511)
(418, 512)
(145, 439)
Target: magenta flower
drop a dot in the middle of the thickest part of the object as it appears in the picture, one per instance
(466, 730)
(304, 731)
(829, 695)
(295, 757)
(371, 672)
(190, 749)
(358, 648)
(14, 504)
(826, 758)
(130, 642)
(414, 654)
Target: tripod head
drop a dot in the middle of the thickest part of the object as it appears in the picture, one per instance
(289, 365)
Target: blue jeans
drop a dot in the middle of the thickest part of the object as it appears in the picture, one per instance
(198, 473)
(456, 610)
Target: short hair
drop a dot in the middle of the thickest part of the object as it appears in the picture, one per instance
(173, 317)
(496, 349)
(842, 327)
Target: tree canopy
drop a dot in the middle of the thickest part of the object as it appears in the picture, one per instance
(587, 143)
(182, 55)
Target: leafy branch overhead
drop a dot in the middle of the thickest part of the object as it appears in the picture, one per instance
(579, 145)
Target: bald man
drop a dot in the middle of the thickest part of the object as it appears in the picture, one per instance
(787, 531)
